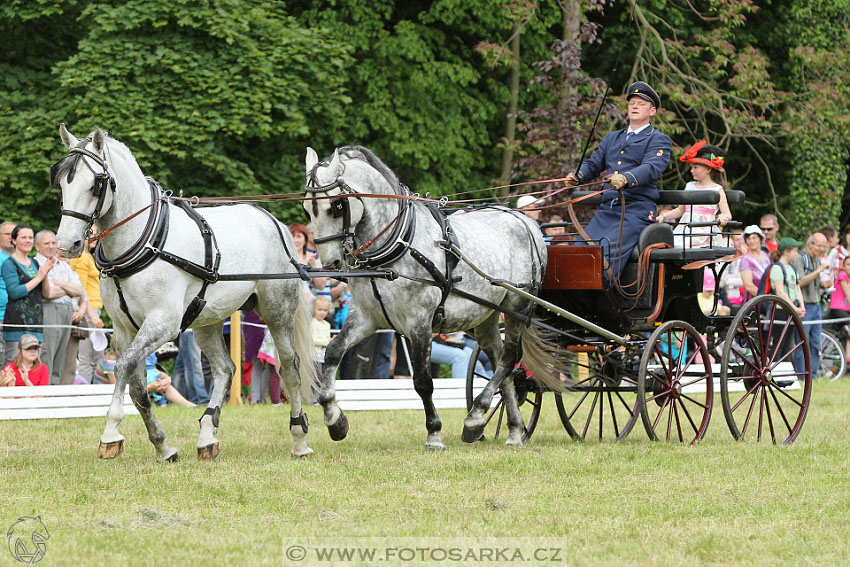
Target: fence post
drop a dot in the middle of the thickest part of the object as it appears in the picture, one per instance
(236, 357)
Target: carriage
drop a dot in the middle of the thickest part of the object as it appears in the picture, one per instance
(646, 351)
(638, 351)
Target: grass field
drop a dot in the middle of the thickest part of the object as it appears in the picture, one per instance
(629, 503)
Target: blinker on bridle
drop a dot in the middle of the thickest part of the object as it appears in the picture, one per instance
(102, 180)
(339, 206)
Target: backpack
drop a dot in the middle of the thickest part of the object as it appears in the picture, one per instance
(764, 284)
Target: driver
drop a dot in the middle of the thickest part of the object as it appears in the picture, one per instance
(634, 159)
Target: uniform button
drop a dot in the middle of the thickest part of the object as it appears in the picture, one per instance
(619, 162)
(622, 152)
(616, 172)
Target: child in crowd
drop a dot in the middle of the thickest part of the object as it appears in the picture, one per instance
(706, 296)
(265, 377)
(26, 368)
(321, 329)
(104, 371)
(159, 385)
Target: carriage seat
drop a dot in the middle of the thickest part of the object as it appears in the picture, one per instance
(655, 233)
(661, 232)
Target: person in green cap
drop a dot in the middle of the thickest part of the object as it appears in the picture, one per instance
(785, 283)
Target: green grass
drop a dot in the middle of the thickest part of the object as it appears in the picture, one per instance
(630, 503)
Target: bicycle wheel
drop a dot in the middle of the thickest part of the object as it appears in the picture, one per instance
(833, 361)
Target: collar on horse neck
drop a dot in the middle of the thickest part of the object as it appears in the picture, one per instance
(146, 247)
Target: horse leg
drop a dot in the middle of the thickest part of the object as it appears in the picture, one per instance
(284, 340)
(476, 420)
(211, 341)
(111, 440)
(420, 355)
(355, 329)
(130, 367)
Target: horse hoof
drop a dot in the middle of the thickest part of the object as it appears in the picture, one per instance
(208, 453)
(339, 430)
(435, 447)
(172, 458)
(472, 434)
(110, 450)
(304, 455)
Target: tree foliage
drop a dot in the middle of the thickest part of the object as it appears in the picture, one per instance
(221, 98)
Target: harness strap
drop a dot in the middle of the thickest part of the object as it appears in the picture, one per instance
(377, 295)
(123, 302)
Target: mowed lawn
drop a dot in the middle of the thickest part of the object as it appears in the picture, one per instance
(630, 503)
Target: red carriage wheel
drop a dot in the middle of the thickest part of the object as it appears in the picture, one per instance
(761, 391)
(529, 399)
(675, 385)
(602, 405)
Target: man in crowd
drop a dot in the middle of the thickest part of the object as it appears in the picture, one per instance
(809, 269)
(634, 158)
(528, 205)
(89, 275)
(770, 227)
(59, 312)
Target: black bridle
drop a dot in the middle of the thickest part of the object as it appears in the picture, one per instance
(340, 207)
(102, 180)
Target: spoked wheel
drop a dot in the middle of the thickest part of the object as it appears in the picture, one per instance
(675, 385)
(833, 361)
(602, 404)
(762, 394)
(529, 399)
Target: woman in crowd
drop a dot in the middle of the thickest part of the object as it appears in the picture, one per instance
(706, 169)
(26, 369)
(27, 286)
(839, 304)
(754, 262)
(308, 257)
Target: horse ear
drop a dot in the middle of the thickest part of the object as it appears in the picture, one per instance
(67, 138)
(98, 140)
(311, 160)
(336, 165)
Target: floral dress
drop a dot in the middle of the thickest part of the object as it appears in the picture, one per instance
(685, 236)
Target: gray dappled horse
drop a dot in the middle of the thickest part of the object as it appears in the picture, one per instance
(410, 238)
(161, 272)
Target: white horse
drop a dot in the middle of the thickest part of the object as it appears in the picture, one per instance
(160, 274)
(434, 292)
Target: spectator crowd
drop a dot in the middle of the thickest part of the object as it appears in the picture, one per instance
(51, 308)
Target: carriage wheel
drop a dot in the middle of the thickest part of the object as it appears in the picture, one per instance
(602, 405)
(529, 399)
(833, 363)
(675, 385)
(762, 394)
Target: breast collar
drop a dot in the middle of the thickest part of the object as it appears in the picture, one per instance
(396, 243)
(148, 245)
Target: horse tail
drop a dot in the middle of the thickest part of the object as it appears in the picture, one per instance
(549, 364)
(308, 368)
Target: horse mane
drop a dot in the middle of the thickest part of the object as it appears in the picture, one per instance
(367, 155)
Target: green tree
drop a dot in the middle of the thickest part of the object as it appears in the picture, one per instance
(212, 98)
(819, 123)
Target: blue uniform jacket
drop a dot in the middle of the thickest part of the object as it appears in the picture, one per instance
(642, 160)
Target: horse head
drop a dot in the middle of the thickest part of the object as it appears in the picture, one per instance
(87, 187)
(335, 209)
